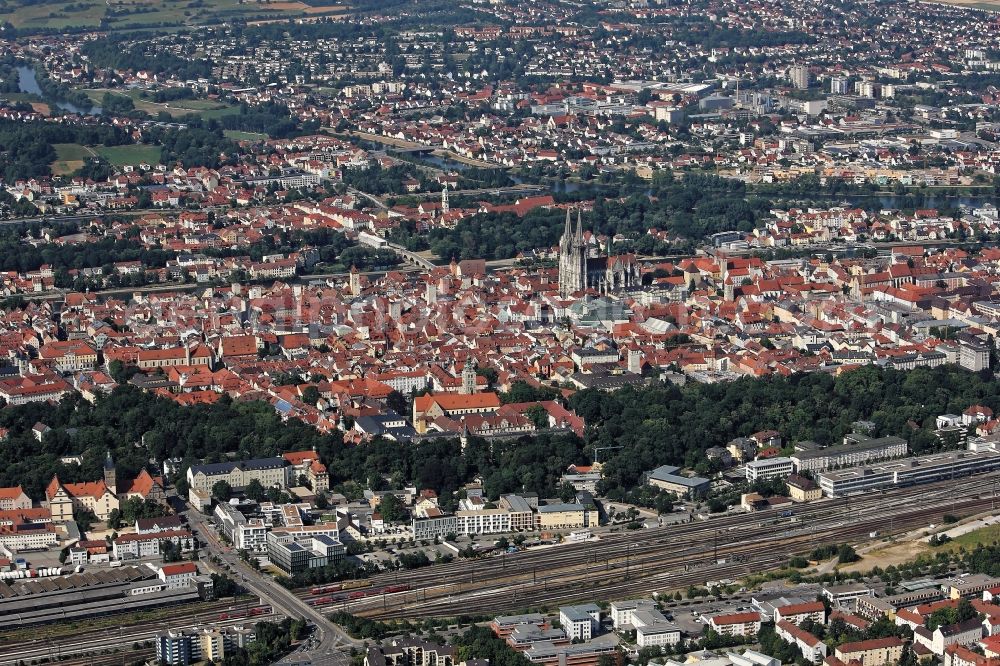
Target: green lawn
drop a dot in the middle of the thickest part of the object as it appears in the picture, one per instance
(72, 151)
(195, 104)
(69, 158)
(969, 540)
(133, 154)
(237, 135)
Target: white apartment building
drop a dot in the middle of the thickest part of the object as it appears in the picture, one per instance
(811, 647)
(964, 633)
(251, 536)
(434, 526)
(134, 546)
(799, 613)
(35, 536)
(483, 521)
(14, 498)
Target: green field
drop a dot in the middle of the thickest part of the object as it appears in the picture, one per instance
(969, 540)
(205, 108)
(69, 158)
(133, 155)
(988, 5)
(132, 14)
(58, 15)
(237, 135)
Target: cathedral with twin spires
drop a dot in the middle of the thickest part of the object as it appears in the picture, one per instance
(579, 271)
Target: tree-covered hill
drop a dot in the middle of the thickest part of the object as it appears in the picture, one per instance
(655, 425)
(137, 427)
(664, 424)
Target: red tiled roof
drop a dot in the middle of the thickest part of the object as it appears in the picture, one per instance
(177, 569)
(239, 345)
(736, 618)
(454, 401)
(871, 644)
(142, 484)
(796, 609)
(11, 493)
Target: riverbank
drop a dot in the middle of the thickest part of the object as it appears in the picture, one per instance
(28, 84)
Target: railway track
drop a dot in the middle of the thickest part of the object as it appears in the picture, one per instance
(622, 564)
(650, 540)
(589, 588)
(109, 621)
(129, 656)
(90, 645)
(645, 562)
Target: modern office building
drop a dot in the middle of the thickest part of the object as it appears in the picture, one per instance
(580, 622)
(563, 516)
(296, 552)
(768, 468)
(653, 629)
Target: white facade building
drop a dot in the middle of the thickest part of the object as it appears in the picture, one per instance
(580, 622)
(768, 468)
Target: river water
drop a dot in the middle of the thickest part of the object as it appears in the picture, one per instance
(914, 198)
(28, 83)
(922, 199)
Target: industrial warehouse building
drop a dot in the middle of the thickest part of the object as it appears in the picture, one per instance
(27, 602)
(667, 478)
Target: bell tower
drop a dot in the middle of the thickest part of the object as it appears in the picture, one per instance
(572, 258)
(110, 474)
(469, 377)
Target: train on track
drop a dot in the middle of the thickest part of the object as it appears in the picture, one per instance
(234, 614)
(340, 587)
(355, 595)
